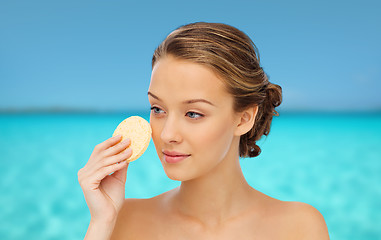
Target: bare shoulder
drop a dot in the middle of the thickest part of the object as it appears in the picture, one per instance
(131, 208)
(305, 221)
(135, 216)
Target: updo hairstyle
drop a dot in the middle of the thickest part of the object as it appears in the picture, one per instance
(232, 55)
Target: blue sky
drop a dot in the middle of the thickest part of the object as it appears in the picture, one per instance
(97, 54)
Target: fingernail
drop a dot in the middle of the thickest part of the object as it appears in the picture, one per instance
(127, 140)
(117, 136)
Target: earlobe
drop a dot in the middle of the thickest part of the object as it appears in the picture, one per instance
(246, 120)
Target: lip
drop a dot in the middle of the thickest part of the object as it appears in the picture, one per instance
(174, 157)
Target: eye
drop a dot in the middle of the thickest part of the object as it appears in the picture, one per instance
(194, 115)
(156, 110)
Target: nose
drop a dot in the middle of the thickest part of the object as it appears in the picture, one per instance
(170, 132)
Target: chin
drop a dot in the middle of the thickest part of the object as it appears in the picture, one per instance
(175, 178)
(176, 173)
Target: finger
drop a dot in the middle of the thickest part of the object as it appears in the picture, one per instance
(108, 143)
(117, 148)
(122, 156)
(92, 182)
(97, 153)
(91, 168)
(105, 171)
(121, 174)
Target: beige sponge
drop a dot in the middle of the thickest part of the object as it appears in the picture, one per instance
(139, 131)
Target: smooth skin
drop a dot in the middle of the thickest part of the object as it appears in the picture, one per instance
(192, 113)
(104, 192)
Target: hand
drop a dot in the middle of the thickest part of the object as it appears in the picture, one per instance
(104, 192)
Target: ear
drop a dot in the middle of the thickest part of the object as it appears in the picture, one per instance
(246, 120)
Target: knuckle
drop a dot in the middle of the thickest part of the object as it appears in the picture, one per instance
(97, 147)
(80, 181)
(80, 175)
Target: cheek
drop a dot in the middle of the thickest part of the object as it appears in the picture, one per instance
(156, 132)
(214, 140)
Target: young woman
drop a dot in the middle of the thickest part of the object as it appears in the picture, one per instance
(211, 101)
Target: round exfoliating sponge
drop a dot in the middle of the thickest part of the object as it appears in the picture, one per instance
(139, 131)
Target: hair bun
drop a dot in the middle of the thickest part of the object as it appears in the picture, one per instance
(263, 121)
(273, 96)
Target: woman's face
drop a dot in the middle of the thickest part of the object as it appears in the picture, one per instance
(192, 118)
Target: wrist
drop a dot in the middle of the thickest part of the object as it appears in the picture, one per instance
(102, 221)
(100, 229)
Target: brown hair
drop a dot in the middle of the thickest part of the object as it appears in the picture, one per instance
(232, 55)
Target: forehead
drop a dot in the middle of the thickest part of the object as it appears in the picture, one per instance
(176, 78)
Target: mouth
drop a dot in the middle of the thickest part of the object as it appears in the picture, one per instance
(174, 157)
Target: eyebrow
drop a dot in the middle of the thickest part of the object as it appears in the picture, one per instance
(186, 101)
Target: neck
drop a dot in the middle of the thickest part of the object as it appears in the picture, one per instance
(216, 196)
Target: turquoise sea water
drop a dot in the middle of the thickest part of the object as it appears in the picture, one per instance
(331, 161)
